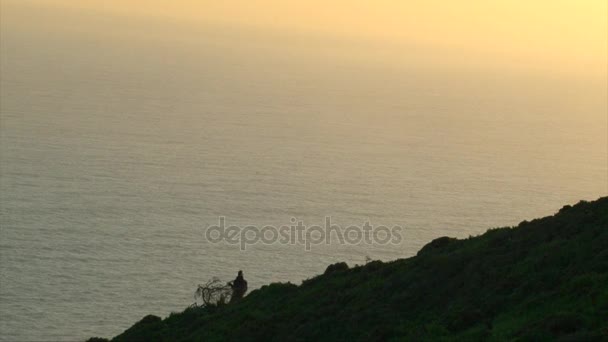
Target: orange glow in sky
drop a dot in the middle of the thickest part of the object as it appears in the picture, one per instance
(564, 34)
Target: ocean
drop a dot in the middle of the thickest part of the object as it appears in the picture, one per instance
(117, 151)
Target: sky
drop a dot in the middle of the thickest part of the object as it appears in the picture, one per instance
(567, 36)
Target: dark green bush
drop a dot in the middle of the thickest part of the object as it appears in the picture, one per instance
(546, 279)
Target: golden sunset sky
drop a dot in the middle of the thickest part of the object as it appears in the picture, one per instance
(566, 35)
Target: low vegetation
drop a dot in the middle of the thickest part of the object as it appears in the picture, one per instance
(543, 280)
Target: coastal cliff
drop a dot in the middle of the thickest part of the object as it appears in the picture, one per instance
(546, 279)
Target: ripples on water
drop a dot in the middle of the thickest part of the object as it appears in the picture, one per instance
(115, 158)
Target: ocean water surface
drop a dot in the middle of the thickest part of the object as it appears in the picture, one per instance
(118, 150)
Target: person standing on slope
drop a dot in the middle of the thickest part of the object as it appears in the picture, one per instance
(239, 287)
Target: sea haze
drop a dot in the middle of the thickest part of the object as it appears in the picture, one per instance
(118, 148)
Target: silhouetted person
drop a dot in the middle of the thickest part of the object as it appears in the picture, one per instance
(239, 287)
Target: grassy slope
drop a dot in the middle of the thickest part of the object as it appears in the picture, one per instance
(543, 279)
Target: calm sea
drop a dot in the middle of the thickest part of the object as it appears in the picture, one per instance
(118, 149)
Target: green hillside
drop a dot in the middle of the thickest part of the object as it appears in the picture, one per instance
(543, 280)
